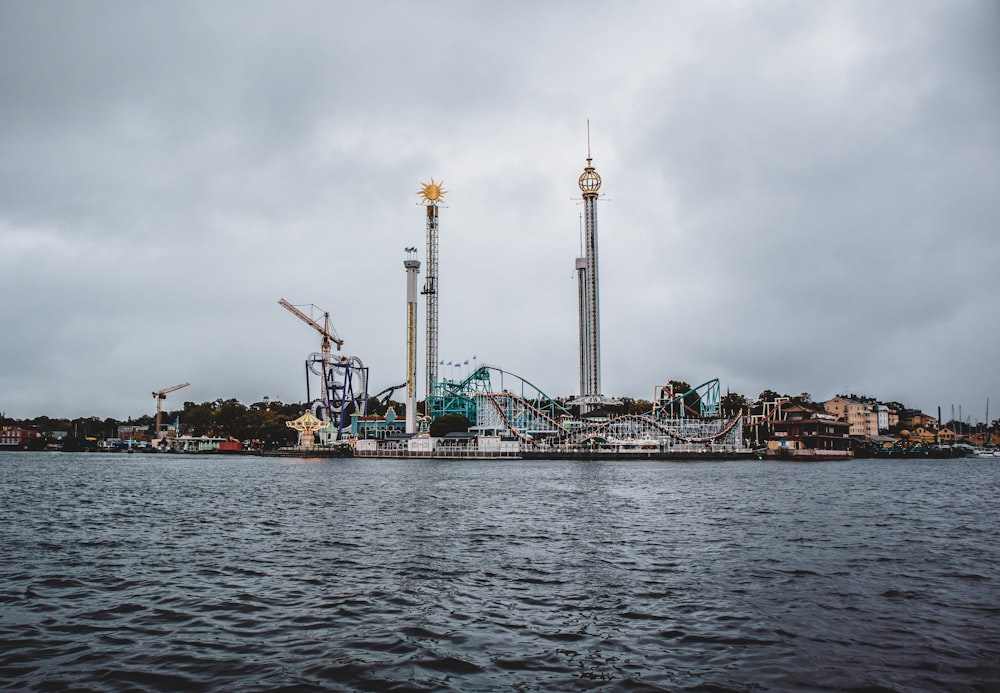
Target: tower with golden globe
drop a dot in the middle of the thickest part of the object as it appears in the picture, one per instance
(589, 313)
(431, 196)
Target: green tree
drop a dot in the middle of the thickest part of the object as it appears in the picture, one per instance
(767, 396)
(635, 407)
(679, 387)
(449, 423)
(72, 443)
(231, 418)
(197, 417)
(732, 403)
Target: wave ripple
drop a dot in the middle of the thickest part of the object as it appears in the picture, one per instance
(189, 573)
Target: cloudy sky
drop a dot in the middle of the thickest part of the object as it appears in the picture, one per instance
(801, 196)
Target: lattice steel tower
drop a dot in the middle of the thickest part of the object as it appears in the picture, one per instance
(431, 196)
(590, 319)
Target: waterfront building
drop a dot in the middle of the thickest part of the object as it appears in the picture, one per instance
(133, 432)
(377, 427)
(914, 418)
(925, 436)
(453, 445)
(205, 444)
(804, 432)
(859, 414)
(946, 435)
(892, 419)
(882, 414)
(16, 438)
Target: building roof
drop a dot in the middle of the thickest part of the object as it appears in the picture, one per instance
(598, 414)
(849, 400)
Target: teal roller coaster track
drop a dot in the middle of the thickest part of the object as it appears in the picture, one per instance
(499, 402)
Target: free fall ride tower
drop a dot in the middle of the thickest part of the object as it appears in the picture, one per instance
(587, 288)
(432, 195)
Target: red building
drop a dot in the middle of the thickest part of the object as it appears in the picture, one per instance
(14, 438)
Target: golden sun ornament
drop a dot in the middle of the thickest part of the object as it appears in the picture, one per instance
(431, 192)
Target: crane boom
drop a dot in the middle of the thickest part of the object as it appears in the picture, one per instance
(161, 395)
(328, 334)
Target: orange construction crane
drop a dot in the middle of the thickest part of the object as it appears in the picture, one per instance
(159, 396)
(324, 329)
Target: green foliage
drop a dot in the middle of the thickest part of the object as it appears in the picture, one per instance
(767, 396)
(261, 423)
(635, 406)
(449, 423)
(680, 387)
(732, 403)
(376, 408)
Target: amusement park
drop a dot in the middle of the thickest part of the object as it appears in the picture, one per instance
(505, 414)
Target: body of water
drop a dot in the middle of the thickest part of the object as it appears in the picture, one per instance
(172, 572)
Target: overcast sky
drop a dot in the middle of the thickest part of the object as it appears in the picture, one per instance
(800, 196)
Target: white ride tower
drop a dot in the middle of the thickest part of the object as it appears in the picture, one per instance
(412, 265)
(590, 319)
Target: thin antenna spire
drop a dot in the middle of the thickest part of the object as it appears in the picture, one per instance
(588, 141)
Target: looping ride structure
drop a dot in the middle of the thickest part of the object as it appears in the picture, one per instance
(343, 379)
(498, 402)
(343, 391)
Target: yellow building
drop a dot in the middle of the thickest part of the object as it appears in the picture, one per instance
(862, 416)
(924, 435)
(946, 436)
(913, 419)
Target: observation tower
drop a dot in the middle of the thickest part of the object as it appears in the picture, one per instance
(432, 196)
(412, 265)
(587, 287)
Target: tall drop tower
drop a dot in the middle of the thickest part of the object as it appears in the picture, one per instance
(412, 265)
(590, 319)
(581, 291)
(432, 196)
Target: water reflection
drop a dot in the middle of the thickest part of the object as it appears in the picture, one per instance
(149, 572)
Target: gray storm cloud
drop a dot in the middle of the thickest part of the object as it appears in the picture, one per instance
(800, 196)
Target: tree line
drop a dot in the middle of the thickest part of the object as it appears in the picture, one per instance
(262, 424)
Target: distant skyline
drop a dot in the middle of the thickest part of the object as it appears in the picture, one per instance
(798, 196)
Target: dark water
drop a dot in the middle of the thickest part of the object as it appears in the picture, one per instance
(192, 573)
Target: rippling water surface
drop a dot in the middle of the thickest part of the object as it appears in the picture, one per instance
(164, 572)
